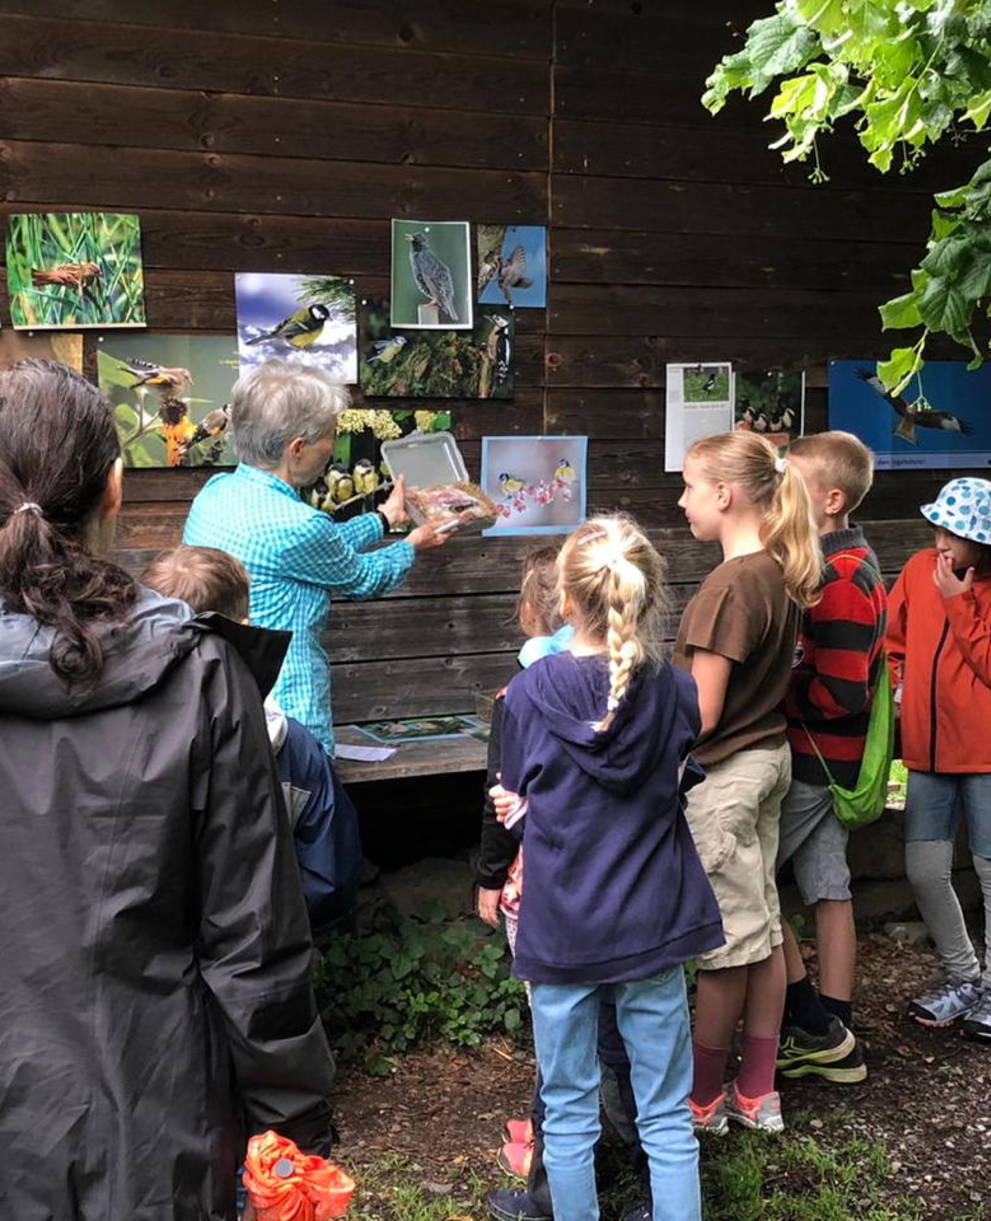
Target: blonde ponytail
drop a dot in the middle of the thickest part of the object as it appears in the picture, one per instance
(787, 529)
(789, 533)
(615, 579)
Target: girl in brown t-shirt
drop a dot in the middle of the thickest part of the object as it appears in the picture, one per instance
(737, 637)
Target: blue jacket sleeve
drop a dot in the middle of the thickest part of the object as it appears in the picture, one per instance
(319, 553)
(325, 826)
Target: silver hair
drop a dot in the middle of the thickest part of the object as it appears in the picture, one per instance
(278, 401)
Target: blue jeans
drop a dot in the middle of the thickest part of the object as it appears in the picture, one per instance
(932, 811)
(652, 1016)
(935, 801)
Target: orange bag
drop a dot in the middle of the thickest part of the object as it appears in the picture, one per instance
(286, 1185)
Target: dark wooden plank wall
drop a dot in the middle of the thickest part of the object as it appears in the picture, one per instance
(282, 135)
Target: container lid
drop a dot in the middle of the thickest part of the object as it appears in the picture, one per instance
(425, 458)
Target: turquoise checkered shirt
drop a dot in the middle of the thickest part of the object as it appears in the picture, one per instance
(296, 557)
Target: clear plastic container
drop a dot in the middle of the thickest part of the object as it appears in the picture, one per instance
(430, 459)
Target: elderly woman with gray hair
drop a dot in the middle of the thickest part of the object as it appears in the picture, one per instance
(283, 423)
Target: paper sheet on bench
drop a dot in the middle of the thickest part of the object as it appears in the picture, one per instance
(364, 754)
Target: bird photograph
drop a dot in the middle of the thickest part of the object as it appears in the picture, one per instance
(299, 330)
(706, 383)
(512, 265)
(920, 413)
(537, 483)
(304, 319)
(431, 275)
(147, 373)
(769, 401)
(447, 363)
(385, 350)
(211, 428)
(170, 397)
(75, 269)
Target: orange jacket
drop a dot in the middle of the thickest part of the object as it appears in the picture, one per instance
(941, 649)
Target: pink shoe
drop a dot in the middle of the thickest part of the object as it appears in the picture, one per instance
(519, 1131)
(710, 1118)
(515, 1157)
(761, 1114)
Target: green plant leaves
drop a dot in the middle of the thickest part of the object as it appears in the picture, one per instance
(418, 979)
(903, 72)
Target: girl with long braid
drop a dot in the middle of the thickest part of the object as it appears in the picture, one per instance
(595, 742)
(737, 639)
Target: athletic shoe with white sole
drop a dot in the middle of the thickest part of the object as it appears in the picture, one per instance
(944, 1005)
(710, 1119)
(761, 1114)
(977, 1023)
(802, 1054)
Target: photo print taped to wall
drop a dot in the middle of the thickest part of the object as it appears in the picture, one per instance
(431, 285)
(698, 403)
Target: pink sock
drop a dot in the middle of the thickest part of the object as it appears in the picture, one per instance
(756, 1075)
(710, 1071)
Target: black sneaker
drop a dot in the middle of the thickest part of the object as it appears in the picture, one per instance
(977, 1023)
(637, 1212)
(824, 1055)
(514, 1204)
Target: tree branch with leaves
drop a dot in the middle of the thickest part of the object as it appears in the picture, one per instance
(905, 74)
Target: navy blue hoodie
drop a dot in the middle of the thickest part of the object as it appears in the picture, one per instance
(613, 888)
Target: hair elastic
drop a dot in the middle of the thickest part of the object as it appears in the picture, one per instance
(780, 465)
(29, 506)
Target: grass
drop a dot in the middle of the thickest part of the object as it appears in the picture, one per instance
(745, 1178)
(42, 241)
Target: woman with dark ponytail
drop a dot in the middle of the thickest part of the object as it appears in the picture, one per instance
(155, 997)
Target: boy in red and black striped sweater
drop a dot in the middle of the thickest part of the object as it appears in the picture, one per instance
(838, 667)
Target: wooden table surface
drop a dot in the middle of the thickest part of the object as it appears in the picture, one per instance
(463, 754)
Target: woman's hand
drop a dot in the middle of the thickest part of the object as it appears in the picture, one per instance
(488, 905)
(426, 536)
(394, 508)
(947, 581)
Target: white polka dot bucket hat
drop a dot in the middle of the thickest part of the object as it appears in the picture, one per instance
(963, 507)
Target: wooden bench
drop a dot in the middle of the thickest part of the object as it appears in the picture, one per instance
(411, 759)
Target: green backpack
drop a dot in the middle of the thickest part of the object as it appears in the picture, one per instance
(866, 803)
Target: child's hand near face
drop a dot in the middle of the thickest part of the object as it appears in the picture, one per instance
(947, 581)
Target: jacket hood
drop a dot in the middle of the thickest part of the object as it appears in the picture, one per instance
(570, 694)
(139, 655)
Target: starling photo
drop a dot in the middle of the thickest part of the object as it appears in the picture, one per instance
(432, 284)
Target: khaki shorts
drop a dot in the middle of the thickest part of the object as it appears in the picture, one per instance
(734, 815)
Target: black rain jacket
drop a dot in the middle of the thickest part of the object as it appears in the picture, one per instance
(155, 990)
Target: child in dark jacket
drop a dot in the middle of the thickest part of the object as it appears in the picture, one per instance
(323, 820)
(616, 901)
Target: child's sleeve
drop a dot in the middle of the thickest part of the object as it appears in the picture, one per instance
(498, 846)
(515, 768)
(844, 630)
(724, 618)
(971, 632)
(894, 640)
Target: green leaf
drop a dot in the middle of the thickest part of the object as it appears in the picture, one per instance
(777, 45)
(975, 280)
(896, 372)
(943, 307)
(943, 223)
(946, 257)
(954, 198)
(900, 312)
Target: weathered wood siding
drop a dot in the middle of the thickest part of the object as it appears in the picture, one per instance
(282, 135)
